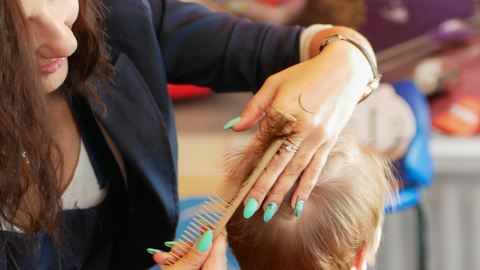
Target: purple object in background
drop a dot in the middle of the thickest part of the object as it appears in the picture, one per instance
(390, 22)
(451, 30)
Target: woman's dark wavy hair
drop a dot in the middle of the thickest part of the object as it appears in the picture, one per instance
(30, 196)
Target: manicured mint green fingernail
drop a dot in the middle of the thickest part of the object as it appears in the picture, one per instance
(250, 208)
(298, 208)
(205, 241)
(270, 211)
(153, 251)
(232, 122)
(171, 243)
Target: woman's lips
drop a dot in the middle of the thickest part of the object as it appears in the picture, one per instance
(53, 66)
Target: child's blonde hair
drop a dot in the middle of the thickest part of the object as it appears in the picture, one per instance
(341, 215)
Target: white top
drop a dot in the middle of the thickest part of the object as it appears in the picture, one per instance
(84, 190)
(306, 38)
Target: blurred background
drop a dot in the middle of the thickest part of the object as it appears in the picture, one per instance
(425, 117)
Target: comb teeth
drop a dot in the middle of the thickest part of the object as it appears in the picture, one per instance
(206, 218)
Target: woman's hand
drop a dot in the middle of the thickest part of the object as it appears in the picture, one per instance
(322, 94)
(203, 255)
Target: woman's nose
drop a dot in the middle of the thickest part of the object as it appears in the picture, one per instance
(54, 40)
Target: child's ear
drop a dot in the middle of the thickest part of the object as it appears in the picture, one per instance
(360, 261)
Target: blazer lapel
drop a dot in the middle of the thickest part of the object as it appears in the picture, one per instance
(135, 123)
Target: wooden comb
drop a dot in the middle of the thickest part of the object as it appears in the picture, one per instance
(219, 208)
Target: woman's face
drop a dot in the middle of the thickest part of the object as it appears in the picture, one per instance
(51, 22)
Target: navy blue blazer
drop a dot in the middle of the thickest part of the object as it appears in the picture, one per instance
(160, 41)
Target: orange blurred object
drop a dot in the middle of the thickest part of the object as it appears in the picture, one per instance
(461, 118)
(456, 110)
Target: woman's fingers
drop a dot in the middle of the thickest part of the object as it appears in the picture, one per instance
(257, 107)
(197, 256)
(301, 165)
(292, 172)
(217, 260)
(309, 178)
(268, 178)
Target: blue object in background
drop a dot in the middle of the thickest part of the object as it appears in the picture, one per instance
(417, 162)
(416, 167)
(408, 197)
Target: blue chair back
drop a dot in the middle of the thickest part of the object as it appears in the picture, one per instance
(416, 167)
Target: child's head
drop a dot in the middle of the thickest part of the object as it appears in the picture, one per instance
(342, 217)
